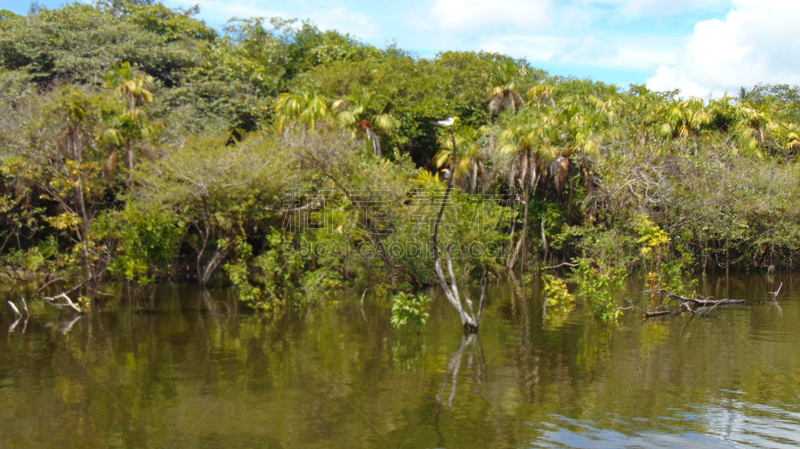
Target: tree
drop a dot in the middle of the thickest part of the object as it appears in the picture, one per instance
(61, 170)
(508, 76)
(220, 190)
(366, 112)
(79, 42)
(304, 108)
(470, 320)
(529, 143)
(369, 190)
(474, 153)
(684, 118)
(251, 53)
(131, 124)
(748, 120)
(753, 121)
(579, 122)
(544, 94)
(76, 108)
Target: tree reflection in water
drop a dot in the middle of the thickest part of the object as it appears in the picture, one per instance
(476, 362)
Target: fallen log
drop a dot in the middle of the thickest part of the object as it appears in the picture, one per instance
(694, 305)
(698, 302)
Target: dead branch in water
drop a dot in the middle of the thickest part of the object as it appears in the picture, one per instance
(700, 302)
(14, 308)
(658, 311)
(701, 306)
(776, 292)
(19, 315)
(69, 303)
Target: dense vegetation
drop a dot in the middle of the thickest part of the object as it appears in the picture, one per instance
(139, 144)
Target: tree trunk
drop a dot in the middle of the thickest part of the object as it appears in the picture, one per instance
(474, 180)
(387, 261)
(530, 170)
(77, 155)
(469, 320)
(205, 273)
(129, 163)
(372, 136)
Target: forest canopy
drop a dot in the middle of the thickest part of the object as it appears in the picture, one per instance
(137, 143)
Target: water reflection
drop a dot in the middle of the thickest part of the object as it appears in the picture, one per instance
(182, 367)
(475, 362)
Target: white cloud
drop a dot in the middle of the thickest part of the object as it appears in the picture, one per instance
(327, 16)
(466, 16)
(757, 42)
(220, 10)
(644, 53)
(652, 8)
(534, 48)
(670, 7)
(346, 21)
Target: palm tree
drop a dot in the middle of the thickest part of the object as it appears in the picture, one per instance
(788, 135)
(472, 144)
(302, 108)
(634, 113)
(578, 122)
(366, 111)
(723, 113)
(544, 94)
(753, 122)
(529, 144)
(682, 119)
(133, 123)
(508, 77)
(749, 122)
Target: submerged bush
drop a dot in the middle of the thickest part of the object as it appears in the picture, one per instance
(409, 308)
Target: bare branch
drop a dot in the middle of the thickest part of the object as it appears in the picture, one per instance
(777, 292)
(69, 303)
(484, 283)
(563, 264)
(48, 284)
(14, 308)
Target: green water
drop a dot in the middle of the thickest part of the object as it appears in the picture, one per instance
(196, 373)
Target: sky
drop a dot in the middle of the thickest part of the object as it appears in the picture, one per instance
(702, 47)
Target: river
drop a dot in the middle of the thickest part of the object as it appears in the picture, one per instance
(190, 370)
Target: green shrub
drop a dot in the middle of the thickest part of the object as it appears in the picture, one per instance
(408, 308)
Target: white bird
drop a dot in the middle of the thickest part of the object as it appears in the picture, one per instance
(447, 123)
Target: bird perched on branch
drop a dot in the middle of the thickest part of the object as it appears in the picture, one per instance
(448, 122)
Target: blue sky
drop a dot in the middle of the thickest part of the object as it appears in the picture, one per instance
(703, 47)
